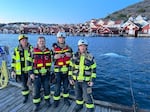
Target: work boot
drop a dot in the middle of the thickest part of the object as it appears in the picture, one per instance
(47, 102)
(90, 110)
(25, 99)
(66, 101)
(77, 108)
(36, 108)
(56, 103)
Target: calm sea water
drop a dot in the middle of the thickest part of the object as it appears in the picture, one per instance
(121, 63)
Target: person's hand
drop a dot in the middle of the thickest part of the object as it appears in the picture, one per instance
(71, 82)
(57, 56)
(68, 54)
(32, 76)
(13, 74)
(62, 55)
(90, 83)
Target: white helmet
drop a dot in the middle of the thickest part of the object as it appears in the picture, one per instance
(61, 34)
(82, 42)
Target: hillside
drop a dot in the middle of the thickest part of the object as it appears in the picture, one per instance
(141, 8)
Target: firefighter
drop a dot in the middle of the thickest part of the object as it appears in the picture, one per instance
(61, 57)
(40, 74)
(22, 63)
(82, 73)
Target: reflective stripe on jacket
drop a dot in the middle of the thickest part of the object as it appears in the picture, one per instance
(82, 67)
(63, 54)
(41, 60)
(61, 57)
(22, 60)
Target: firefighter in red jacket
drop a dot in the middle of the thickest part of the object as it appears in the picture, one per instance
(61, 57)
(41, 73)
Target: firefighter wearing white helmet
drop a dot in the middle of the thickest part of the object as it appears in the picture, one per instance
(61, 34)
(62, 54)
(22, 63)
(82, 73)
(82, 42)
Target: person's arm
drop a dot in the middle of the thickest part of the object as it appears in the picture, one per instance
(31, 64)
(71, 72)
(93, 69)
(13, 64)
(30, 60)
(55, 55)
(93, 72)
(69, 53)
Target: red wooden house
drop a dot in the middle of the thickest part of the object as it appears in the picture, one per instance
(146, 29)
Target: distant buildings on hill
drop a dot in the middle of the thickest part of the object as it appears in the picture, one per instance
(134, 26)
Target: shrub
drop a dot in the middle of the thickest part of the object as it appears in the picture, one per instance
(141, 10)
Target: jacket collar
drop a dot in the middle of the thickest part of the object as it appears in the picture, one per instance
(21, 48)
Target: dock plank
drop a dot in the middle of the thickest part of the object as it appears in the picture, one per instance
(65, 108)
(15, 109)
(26, 107)
(9, 105)
(71, 107)
(11, 101)
(97, 109)
(4, 95)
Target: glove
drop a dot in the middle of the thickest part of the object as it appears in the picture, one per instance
(13, 74)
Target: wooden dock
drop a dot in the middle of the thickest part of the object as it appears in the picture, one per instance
(11, 101)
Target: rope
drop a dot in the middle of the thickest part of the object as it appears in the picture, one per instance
(132, 94)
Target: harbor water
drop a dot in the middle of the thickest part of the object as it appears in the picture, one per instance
(123, 66)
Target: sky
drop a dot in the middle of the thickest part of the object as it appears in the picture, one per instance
(59, 11)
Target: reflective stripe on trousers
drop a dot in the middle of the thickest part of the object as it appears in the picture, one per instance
(60, 77)
(82, 89)
(38, 82)
(25, 88)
